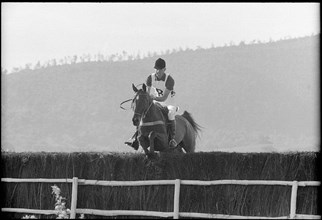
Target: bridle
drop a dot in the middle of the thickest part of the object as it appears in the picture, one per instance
(142, 115)
(136, 113)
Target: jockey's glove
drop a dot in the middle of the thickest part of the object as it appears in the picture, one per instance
(152, 96)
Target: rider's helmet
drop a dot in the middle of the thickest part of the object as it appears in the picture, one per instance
(159, 64)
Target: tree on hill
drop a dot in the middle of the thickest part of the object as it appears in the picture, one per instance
(37, 66)
(3, 71)
(74, 60)
(123, 56)
(242, 43)
(28, 66)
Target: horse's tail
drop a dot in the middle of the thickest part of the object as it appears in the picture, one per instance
(195, 126)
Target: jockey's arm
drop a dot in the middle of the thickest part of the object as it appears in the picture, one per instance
(162, 98)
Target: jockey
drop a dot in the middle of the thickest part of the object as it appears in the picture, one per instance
(161, 88)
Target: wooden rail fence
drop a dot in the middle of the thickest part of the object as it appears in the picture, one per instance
(176, 212)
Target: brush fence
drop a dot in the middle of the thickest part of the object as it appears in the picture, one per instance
(176, 213)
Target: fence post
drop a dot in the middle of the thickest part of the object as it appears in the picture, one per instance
(74, 198)
(176, 199)
(293, 199)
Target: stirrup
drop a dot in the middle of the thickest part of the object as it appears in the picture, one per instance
(130, 141)
(133, 143)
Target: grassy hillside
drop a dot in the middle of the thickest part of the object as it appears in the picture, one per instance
(224, 199)
(247, 98)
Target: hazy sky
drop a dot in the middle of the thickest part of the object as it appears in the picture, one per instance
(42, 31)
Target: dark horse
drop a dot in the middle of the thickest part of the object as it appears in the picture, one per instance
(152, 125)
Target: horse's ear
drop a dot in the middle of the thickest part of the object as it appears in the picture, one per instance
(134, 88)
(144, 87)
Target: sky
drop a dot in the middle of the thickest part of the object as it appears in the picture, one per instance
(32, 32)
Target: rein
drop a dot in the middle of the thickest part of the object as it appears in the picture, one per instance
(124, 102)
(145, 112)
(127, 100)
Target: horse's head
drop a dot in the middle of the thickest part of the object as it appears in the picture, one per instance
(140, 104)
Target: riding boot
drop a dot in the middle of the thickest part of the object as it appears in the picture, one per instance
(172, 128)
(133, 142)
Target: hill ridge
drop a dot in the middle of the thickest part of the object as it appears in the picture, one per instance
(253, 92)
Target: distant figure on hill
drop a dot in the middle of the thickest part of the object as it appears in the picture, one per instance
(160, 86)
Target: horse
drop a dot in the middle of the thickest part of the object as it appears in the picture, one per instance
(151, 122)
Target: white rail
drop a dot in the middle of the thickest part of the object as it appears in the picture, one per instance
(176, 213)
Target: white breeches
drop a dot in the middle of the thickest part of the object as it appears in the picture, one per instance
(172, 112)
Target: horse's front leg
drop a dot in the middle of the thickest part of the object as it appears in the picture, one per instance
(152, 136)
(144, 142)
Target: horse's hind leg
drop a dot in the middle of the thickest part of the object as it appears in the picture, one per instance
(179, 149)
(185, 136)
(189, 143)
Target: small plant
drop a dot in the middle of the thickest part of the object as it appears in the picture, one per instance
(60, 206)
(29, 217)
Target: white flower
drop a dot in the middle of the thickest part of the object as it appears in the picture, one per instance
(57, 207)
(29, 217)
(56, 190)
